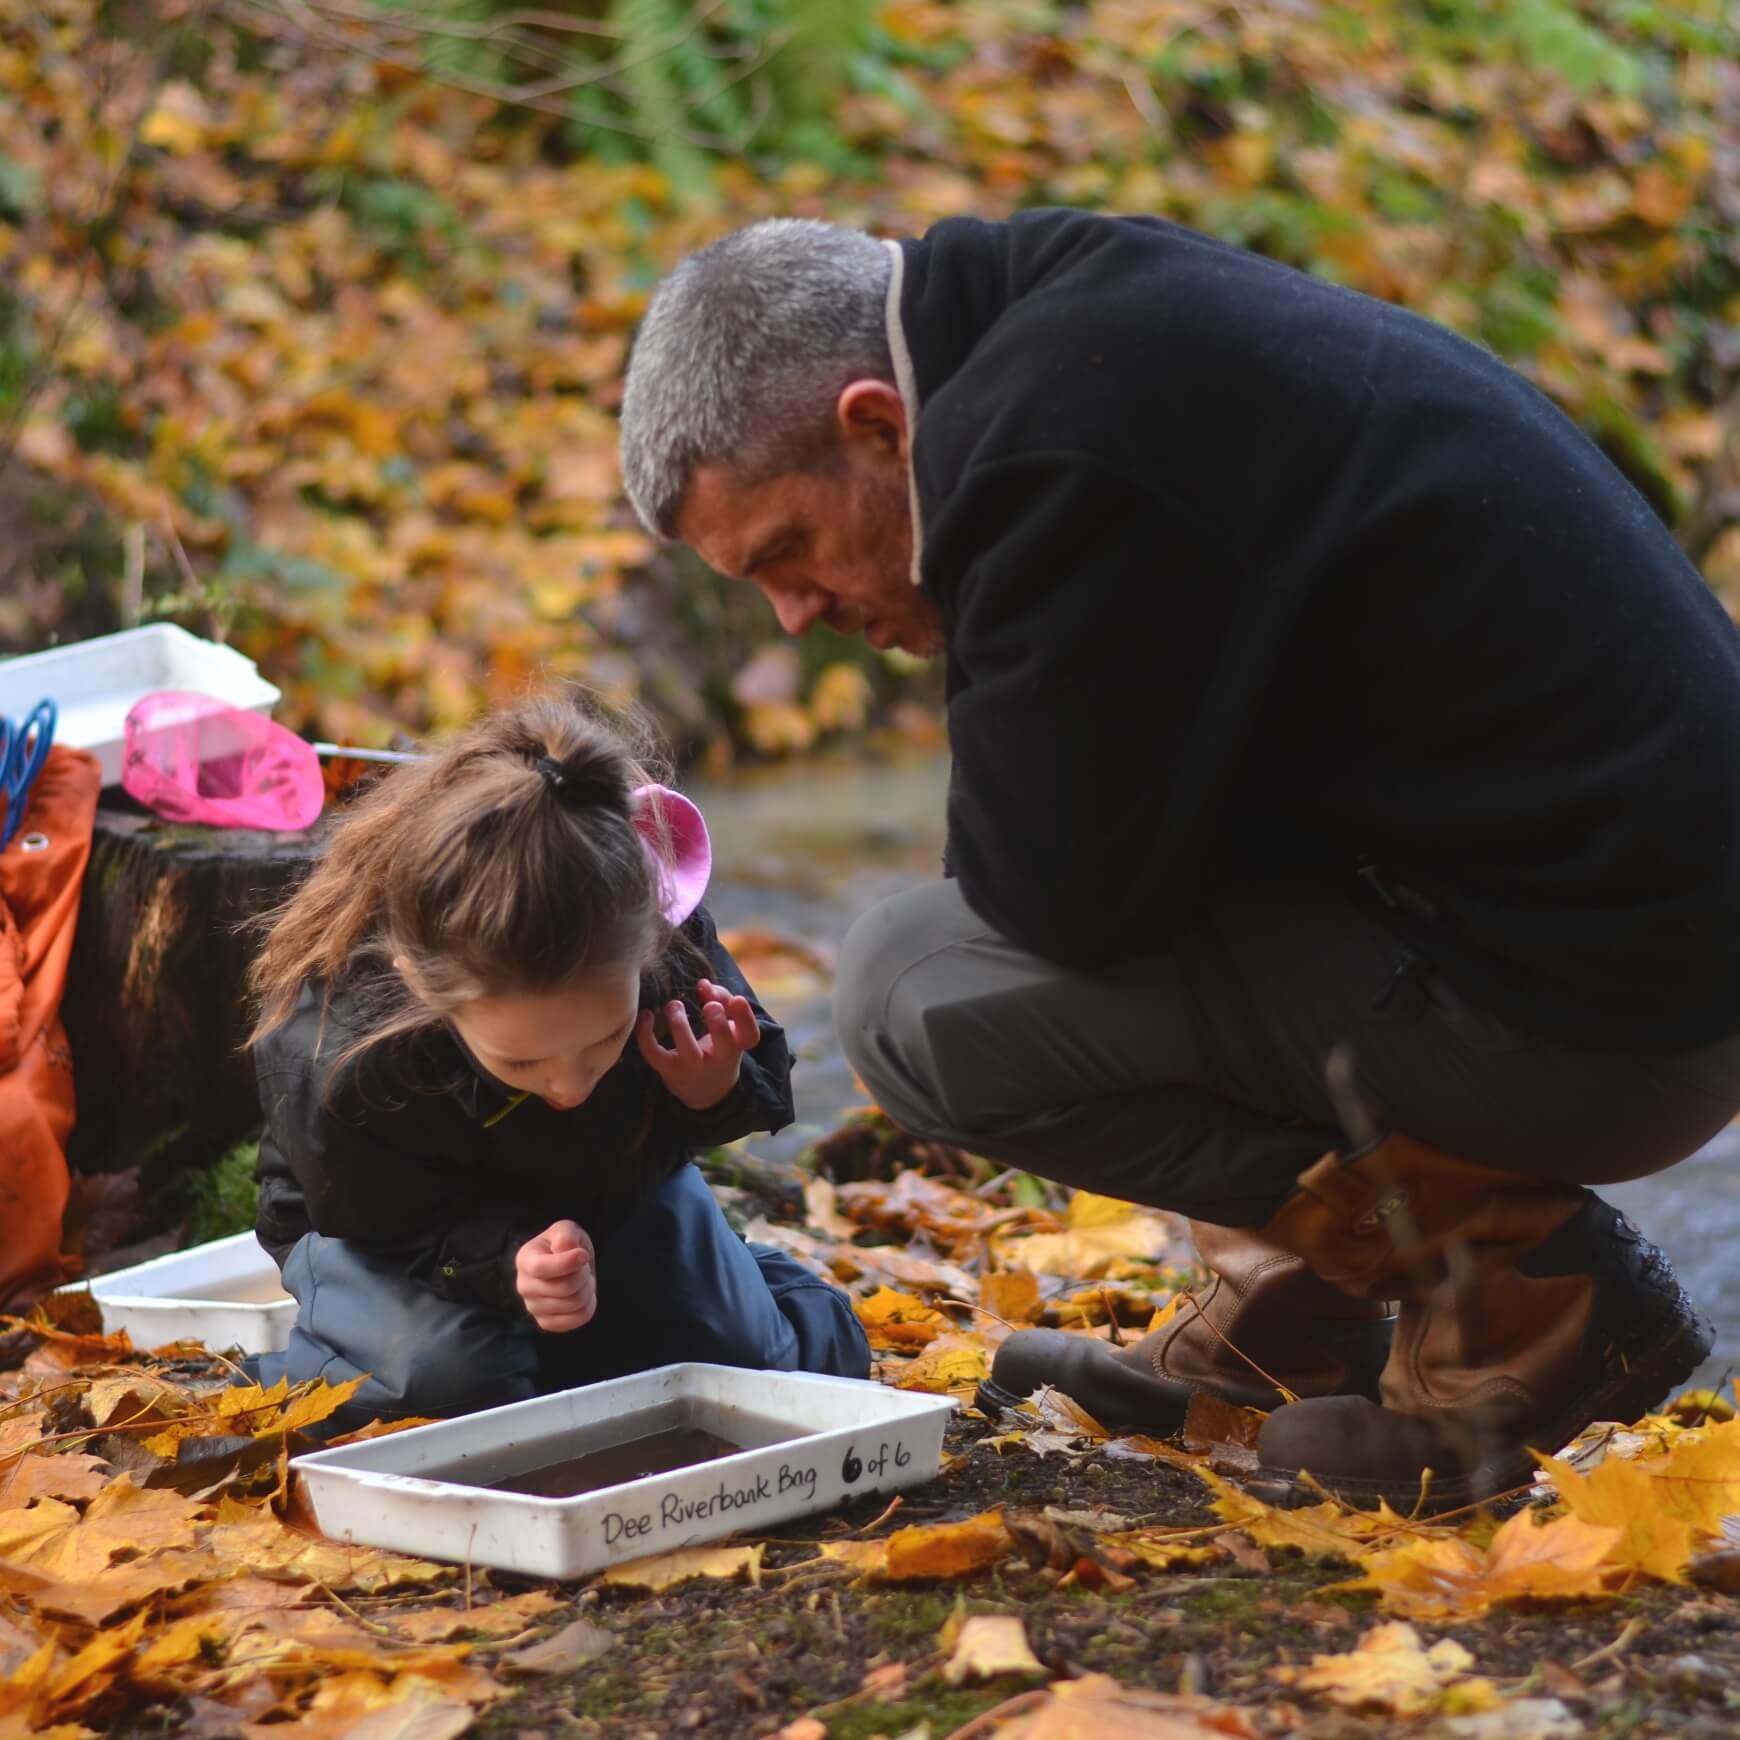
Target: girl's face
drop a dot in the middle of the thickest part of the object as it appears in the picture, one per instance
(555, 1044)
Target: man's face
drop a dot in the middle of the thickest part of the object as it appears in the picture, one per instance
(832, 547)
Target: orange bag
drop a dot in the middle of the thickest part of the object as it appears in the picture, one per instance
(39, 908)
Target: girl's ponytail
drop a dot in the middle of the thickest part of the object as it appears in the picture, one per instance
(508, 862)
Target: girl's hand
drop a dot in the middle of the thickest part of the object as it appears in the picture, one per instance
(701, 1072)
(555, 1276)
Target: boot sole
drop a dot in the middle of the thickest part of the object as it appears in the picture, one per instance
(1630, 1391)
(992, 1400)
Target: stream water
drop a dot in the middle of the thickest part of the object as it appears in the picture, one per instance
(802, 852)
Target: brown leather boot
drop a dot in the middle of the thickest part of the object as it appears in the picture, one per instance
(1262, 1311)
(1528, 1310)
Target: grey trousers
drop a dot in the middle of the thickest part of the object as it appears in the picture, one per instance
(1192, 1078)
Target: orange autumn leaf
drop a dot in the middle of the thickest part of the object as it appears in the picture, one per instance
(70, 1474)
(1096, 1707)
(898, 1322)
(1012, 1295)
(1451, 1578)
(930, 1550)
(68, 1545)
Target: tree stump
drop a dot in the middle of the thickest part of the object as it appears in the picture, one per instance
(154, 1005)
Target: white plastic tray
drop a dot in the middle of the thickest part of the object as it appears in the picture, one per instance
(811, 1442)
(95, 682)
(226, 1294)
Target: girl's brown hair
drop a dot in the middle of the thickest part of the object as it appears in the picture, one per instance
(507, 863)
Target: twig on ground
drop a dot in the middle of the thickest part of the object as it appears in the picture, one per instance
(876, 1522)
(1628, 1635)
(1111, 1316)
(988, 1720)
(362, 1619)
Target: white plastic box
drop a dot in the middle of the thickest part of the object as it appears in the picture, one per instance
(226, 1294)
(95, 682)
(809, 1443)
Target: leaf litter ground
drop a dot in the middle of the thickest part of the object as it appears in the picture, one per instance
(157, 1576)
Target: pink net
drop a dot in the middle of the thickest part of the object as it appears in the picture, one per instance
(194, 759)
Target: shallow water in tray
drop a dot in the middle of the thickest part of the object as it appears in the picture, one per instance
(660, 1453)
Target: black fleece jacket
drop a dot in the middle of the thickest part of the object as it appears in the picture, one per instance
(415, 1152)
(1238, 567)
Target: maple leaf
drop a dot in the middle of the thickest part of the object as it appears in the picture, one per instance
(1451, 1578)
(1392, 1671)
(1321, 1531)
(952, 1363)
(1665, 1504)
(94, 1599)
(1620, 1494)
(263, 1545)
(1013, 1296)
(25, 1475)
(1208, 1420)
(70, 1545)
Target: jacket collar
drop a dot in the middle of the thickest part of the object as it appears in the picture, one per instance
(907, 381)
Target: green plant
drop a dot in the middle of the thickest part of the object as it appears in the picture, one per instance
(219, 1200)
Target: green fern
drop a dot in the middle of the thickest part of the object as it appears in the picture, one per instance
(662, 86)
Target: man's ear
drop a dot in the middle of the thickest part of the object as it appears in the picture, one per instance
(873, 411)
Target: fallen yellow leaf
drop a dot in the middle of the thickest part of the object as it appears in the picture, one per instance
(951, 1362)
(1623, 1495)
(724, 1564)
(1390, 1670)
(1321, 1531)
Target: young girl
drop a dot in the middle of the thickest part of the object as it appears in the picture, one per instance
(495, 1024)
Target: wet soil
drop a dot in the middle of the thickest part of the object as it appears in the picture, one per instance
(733, 1660)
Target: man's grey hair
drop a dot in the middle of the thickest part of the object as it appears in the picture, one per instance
(743, 354)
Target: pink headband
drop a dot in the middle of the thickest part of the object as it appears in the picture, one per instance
(675, 838)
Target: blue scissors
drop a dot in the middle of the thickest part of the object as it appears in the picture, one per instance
(23, 749)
